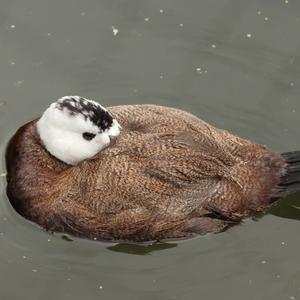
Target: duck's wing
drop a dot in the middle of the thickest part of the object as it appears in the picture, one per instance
(187, 174)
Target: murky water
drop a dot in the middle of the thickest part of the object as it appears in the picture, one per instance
(234, 63)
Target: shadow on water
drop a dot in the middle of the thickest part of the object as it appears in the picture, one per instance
(142, 249)
(288, 208)
(128, 248)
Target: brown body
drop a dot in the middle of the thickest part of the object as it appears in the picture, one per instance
(168, 175)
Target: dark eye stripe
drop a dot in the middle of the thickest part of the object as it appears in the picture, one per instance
(88, 136)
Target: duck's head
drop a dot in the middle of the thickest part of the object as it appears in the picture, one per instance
(74, 129)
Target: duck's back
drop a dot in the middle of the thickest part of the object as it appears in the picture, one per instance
(170, 174)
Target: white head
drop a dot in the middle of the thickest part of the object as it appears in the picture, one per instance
(74, 129)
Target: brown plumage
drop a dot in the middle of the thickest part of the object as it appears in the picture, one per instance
(168, 175)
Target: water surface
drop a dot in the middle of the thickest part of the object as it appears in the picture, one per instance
(234, 63)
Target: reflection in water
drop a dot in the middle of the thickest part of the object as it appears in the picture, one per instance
(288, 207)
(141, 249)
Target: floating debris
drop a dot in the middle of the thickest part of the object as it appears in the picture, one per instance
(161, 11)
(115, 30)
(82, 14)
(147, 19)
(69, 279)
(286, 1)
(161, 76)
(263, 262)
(49, 33)
(292, 84)
(100, 287)
(214, 46)
(266, 18)
(181, 24)
(34, 270)
(249, 35)
(12, 26)
(259, 12)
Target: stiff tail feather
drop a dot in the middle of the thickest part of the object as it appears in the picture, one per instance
(290, 181)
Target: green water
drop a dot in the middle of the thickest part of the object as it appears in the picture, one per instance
(235, 64)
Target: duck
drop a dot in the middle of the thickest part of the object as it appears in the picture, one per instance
(139, 173)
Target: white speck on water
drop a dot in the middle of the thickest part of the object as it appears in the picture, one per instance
(205, 71)
(297, 19)
(181, 24)
(12, 26)
(250, 281)
(292, 84)
(147, 19)
(4, 219)
(34, 270)
(249, 35)
(161, 76)
(277, 276)
(198, 69)
(263, 262)
(95, 239)
(286, 1)
(115, 30)
(283, 243)
(266, 18)
(69, 279)
(100, 287)
(259, 12)
(292, 298)
(82, 14)
(161, 11)
(19, 82)
(24, 256)
(48, 240)
(213, 46)
(49, 33)
(12, 62)
(3, 174)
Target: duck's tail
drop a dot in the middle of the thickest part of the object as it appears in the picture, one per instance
(290, 181)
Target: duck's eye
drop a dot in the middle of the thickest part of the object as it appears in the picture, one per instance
(88, 136)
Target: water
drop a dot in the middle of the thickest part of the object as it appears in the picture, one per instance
(234, 63)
